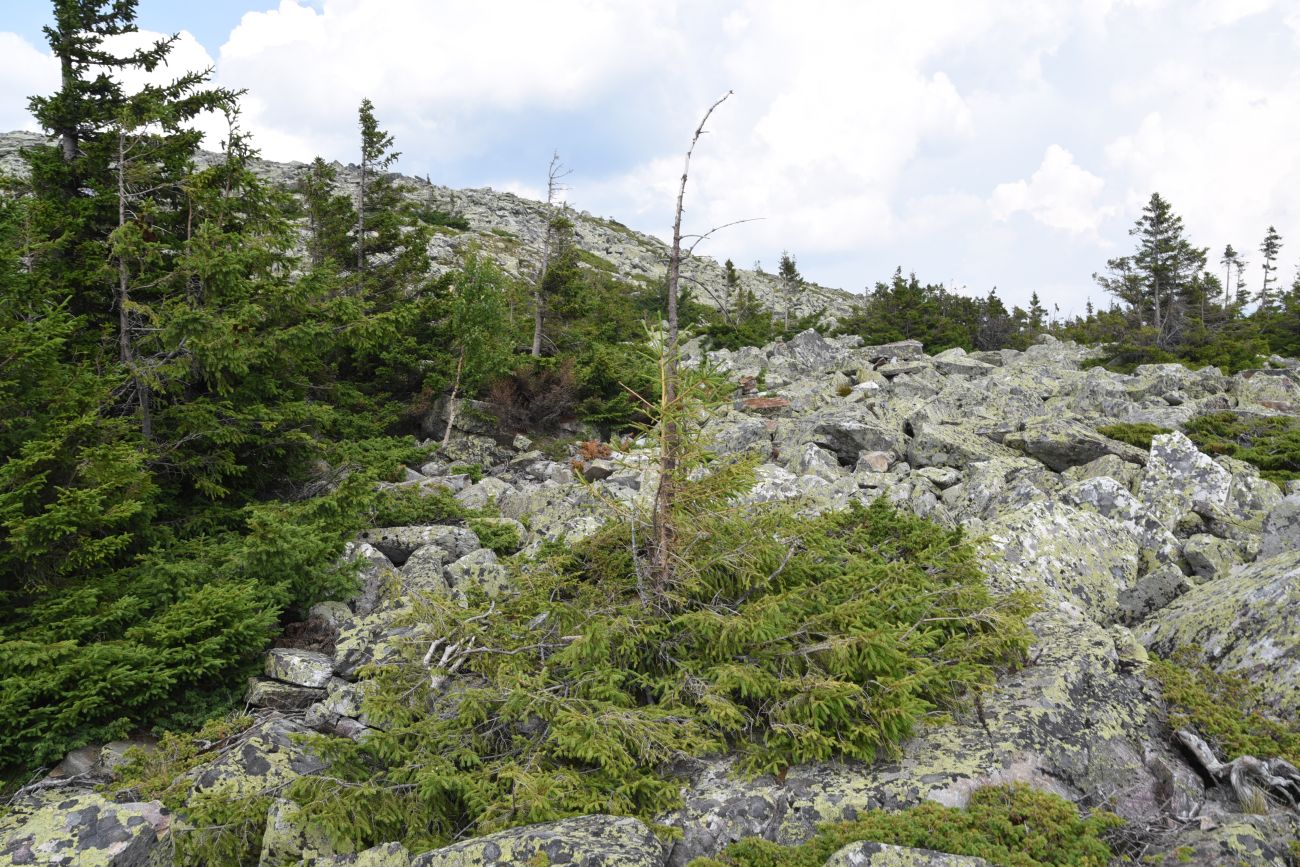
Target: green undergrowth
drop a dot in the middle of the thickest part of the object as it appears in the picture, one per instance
(417, 507)
(1010, 825)
(1271, 443)
(784, 639)
(1225, 709)
(1135, 434)
(216, 828)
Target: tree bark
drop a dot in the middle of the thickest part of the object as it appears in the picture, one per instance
(125, 349)
(553, 176)
(451, 401)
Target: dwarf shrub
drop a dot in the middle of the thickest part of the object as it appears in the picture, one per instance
(1271, 443)
(1225, 709)
(786, 639)
(1007, 825)
(1137, 434)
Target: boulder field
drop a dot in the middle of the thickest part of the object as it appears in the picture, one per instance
(1128, 550)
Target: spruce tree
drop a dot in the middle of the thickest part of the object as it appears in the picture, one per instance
(1159, 274)
(73, 182)
(791, 282)
(1269, 249)
(330, 217)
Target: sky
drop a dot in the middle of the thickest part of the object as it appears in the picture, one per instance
(1006, 144)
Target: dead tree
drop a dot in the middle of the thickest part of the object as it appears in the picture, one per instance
(663, 531)
(554, 175)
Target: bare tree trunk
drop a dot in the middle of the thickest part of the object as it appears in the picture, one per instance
(68, 137)
(451, 401)
(553, 176)
(663, 531)
(361, 223)
(125, 350)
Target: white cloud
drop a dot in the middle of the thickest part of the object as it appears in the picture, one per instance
(25, 71)
(433, 69)
(865, 133)
(1059, 194)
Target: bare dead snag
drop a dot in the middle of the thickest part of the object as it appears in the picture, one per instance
(554, 175)
(663, 532)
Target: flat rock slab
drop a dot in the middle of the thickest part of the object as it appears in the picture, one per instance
(587, 841)
(305, 668)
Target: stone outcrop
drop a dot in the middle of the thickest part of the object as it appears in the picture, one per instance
(1126, 552)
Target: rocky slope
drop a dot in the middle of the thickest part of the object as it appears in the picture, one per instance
(1129, 550)
(511, 229)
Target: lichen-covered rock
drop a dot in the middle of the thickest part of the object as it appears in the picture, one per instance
(946, 445)
(1066, 554)
(869, 854)
(1153, 591)
(399, 543)
(385, 855)
(1109, 498)
(82, 829)
(552, 511)
(719, 810)
(813, 460)
(481, 569)
(1107, 465)
(423, 573)
(299, 667)
(734, 432)
(1063, 443)
(1241, 839)
(1211, 557)
(1026, 730)
(368, 640)
(1248, 622)
(1281, 530)
(998, 486)
(377, 573)
(480, 494)
(845, 432)
(1277, 390)
(288, 840)
(282, 696)
(587, 841)
(1179, 480)
(263, 760)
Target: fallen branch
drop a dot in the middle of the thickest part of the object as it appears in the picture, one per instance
(1251, 779)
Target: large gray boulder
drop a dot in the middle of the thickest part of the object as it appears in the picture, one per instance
(1180, 480)
(950, 445)
(1063, 443)
(1248, 622)
(1064, 554)
(399, 543)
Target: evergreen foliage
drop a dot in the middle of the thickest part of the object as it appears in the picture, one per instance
(1271, 443)
(1010, 825)
(1225, 709)
(815, 638)
(904, 309)
(1135, 434)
